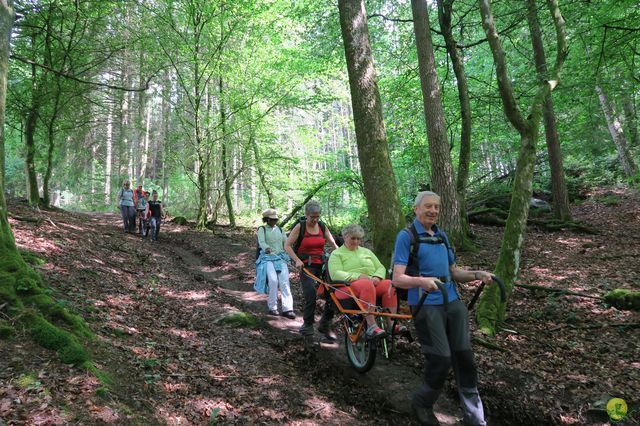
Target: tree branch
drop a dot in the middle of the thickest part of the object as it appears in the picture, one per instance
(79, 80)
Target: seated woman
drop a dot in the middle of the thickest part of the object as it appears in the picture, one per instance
(361, 267)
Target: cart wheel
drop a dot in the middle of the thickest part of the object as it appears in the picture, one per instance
(361, 354)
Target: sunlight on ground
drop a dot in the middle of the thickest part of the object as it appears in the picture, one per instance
(185, 334)
(74, 227)
(145, 353)
(573, 242)
(37, 245)
(171, 417)
(206, 406)
(320, 408)
(120, 300)
(188, 295)
(174, 387)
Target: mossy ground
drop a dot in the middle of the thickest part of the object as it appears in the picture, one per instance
(27, 304)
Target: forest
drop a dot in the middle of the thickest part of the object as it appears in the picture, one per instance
(521, 115)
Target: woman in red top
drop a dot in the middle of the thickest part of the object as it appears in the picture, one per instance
(310, 254)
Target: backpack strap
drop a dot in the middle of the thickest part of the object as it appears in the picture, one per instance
(258, 249)
(303, 228)
(413, 268)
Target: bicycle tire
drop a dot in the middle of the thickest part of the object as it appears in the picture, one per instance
(361, 354)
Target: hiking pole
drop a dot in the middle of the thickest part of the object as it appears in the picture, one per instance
(503, 293)
(445, 297)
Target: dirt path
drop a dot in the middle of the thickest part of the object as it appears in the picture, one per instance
(155, 309)
(390, 382)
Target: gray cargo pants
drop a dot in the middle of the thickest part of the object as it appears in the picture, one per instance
(444, 337)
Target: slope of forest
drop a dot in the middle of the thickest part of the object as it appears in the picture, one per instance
(157, 310)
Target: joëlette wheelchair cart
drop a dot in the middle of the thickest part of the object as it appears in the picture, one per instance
(362, 351)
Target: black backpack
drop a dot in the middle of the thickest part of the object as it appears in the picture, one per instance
(258, 249)
(413, 266)
(303, 226)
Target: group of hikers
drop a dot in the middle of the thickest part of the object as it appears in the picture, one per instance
(141, 207)
(422, 259)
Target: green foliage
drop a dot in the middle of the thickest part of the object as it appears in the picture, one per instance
(213, 417)
(240, 320)
(623, 299)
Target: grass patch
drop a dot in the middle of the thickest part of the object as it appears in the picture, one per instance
(240, 320)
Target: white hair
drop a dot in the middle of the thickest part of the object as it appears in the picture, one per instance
(423, 194)
(353, 229)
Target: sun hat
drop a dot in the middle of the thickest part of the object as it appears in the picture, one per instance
(270, 214)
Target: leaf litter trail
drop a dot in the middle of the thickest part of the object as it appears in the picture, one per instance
(155, 310)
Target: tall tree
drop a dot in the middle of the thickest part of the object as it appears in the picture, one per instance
(558, 186)
(445, 8)
(383, 203)
(617, 134)
(442, 172)
(6, 24)
(490, 309)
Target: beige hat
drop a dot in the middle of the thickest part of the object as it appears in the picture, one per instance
(270, 214)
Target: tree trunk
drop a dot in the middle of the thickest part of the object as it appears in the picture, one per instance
(617, 134)
(442, 173)
(631, 118)
(383, 203)
(51, 144)
(7, 244)
(261, 174)
(558, 186)
(444, 15)
(226, 175)
(30, 145)
(490, 310)
(108, 161)
(145, 144)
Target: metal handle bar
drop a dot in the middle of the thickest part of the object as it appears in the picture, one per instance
(445, 297)
(503, 292)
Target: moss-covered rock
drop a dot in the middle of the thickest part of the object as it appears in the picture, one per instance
(51, 337)
(179, 220)
(623, 299)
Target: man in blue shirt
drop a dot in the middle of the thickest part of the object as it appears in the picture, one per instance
(443, 332)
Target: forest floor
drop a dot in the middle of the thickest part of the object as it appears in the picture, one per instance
(156, 308)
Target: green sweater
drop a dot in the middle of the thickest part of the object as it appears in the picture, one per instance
(348, 265)
(272, 238)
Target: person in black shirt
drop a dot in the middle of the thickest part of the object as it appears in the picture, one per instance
(157, 213)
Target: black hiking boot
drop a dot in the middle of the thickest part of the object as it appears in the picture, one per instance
(325, 328)
(424, 415)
